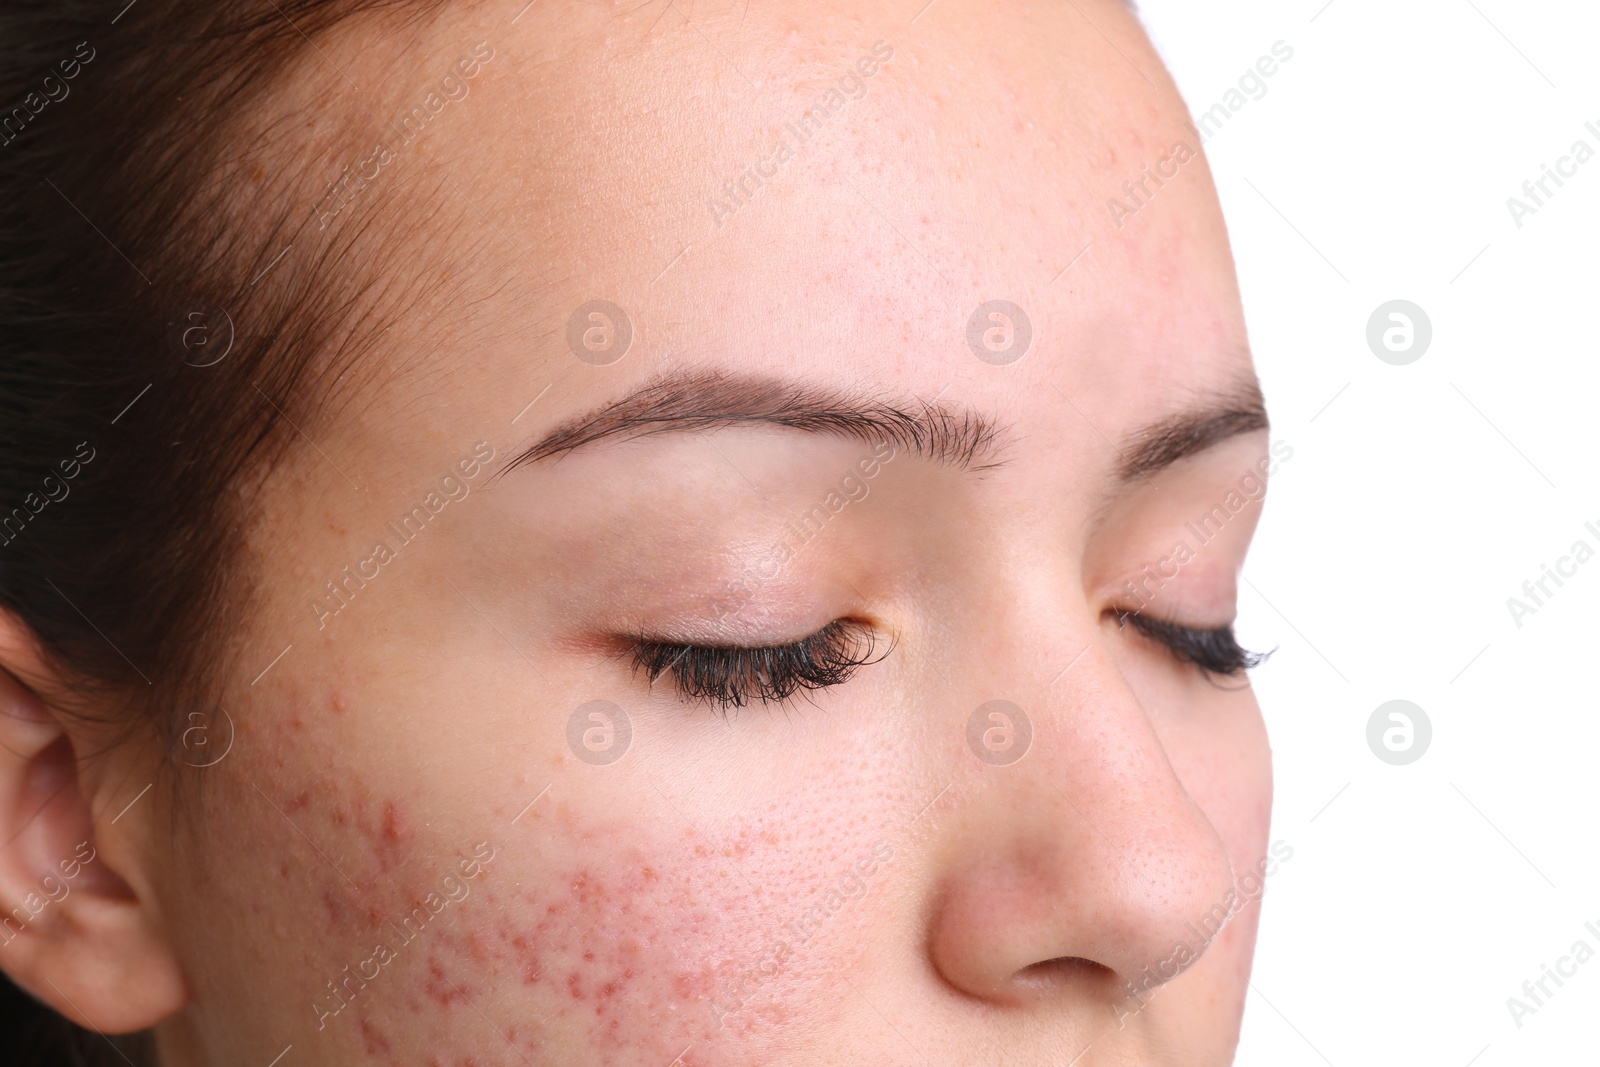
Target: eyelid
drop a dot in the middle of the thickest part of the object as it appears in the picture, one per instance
(731, 676)
(1215, 650)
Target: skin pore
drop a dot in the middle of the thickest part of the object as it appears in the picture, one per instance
(411, 855)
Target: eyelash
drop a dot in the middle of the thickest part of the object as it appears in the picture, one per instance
(1215, 651)
(731, 676)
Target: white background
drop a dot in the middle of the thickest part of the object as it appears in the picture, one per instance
(1418, 500)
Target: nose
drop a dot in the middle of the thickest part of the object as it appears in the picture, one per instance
(1082, 865)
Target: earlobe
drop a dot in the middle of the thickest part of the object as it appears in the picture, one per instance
(72, 930)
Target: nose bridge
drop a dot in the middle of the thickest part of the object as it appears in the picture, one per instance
(1089, 838)
(1112, 772)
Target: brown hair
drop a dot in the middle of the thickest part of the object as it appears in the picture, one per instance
(150, 357)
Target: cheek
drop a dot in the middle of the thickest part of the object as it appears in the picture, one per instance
(635, 940)
(587, 934)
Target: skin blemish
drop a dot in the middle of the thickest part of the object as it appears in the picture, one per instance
(390, 838)
(374, 1040)
(440, 989)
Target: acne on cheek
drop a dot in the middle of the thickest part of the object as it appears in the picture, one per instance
(628, 952)
(579, 938)
(627, 956)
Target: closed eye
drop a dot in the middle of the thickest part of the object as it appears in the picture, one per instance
(732, 676)
(1215, 650)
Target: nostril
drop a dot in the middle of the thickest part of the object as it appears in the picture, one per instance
(1054, 974)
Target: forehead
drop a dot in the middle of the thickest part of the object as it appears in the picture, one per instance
(824, 190)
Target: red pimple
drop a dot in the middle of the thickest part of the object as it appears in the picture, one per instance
(377, 1044)
(391, 824)
(439, 988)
(334, 906)
(390, 835)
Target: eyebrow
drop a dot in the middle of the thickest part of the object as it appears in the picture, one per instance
(1241, 410)
(694, 401)
(689, 402)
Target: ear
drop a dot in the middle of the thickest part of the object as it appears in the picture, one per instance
(79, 928)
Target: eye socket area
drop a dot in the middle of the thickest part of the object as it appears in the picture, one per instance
(725, 676)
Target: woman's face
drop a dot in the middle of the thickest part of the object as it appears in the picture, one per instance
(458, 826)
